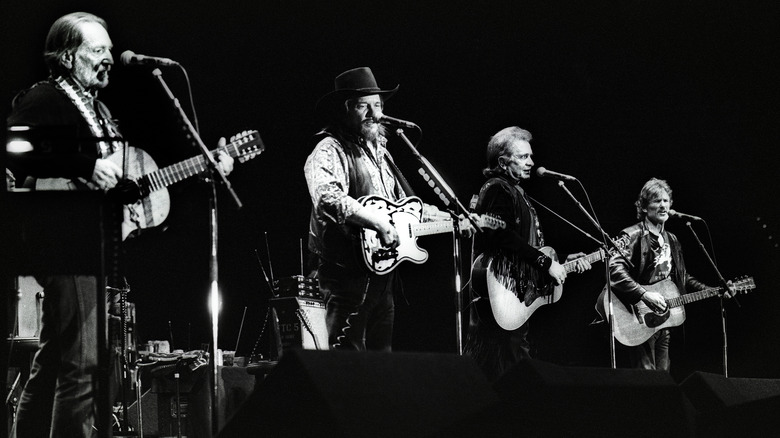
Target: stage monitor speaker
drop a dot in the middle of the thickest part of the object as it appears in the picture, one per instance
(734, 407)
(543, 399)
(362, 394)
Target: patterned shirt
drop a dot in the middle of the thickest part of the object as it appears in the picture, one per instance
(660, 266)
(327, 177)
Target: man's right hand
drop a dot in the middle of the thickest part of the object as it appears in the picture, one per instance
(655, 301)
(106, 174)
(387, 233)
(557, 272)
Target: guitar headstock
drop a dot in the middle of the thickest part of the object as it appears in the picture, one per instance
(743, 285)
(245, 146)
(622, 244)
(490, 221)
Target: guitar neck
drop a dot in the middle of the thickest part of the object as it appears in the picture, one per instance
(174, 173)
(591, 258)
(693, 296)
(245, 147)
(430, 228)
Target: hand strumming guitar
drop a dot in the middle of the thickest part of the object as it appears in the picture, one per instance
(655, 301)
(557, 272)
(372, 219)
(106, 174)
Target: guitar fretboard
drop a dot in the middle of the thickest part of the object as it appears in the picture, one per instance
(174, 173)
(740, 286)
(428, 228)
(596, 256)
(591, 258)
(247, 143)
(691, 297)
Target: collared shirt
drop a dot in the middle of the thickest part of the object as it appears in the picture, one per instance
(327, 176)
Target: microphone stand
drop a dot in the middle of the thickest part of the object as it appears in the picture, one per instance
(215, 171)
(607, 256)
(455, 208)
(724, 284)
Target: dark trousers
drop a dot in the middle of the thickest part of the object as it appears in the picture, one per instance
(653, 354)
(494, 349)
(359, 307)
(58, 399)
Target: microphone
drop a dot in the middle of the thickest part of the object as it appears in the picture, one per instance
(392, 121)
(549, 173)
(129, 58)
(690, 217)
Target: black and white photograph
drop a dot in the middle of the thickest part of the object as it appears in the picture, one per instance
(390, 219)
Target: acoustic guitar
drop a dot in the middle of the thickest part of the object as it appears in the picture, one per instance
(507, 304)
(634, 324)
(155, 204)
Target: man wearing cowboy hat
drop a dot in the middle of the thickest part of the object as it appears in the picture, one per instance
(350, 160)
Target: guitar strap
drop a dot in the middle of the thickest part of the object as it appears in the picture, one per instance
(89, 108)
(399, 176)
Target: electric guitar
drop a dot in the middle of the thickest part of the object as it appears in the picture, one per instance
(406, 217)
(155, 204)
(634, 324)
(511, 307)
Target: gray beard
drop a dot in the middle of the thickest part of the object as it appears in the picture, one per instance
(371, 135)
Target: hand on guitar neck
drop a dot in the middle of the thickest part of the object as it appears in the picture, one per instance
(224, 161)
(107, 175)
(558, 271)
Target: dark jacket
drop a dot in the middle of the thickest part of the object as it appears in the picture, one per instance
(622, 279)
(56, 127)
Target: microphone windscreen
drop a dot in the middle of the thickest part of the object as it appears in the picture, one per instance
(126, 57)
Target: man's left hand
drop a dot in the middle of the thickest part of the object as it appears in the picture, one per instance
(224, 161)
(465, 225)
(730, 292)
(582, 264)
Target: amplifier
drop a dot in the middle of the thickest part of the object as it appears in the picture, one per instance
(301, 323)
(27, 308)
(297, 286)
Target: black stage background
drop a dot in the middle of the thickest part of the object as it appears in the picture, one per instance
(614, 93)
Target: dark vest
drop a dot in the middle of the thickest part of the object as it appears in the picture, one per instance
(333, 242)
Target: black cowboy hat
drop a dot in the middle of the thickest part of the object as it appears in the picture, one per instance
(352, 83)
